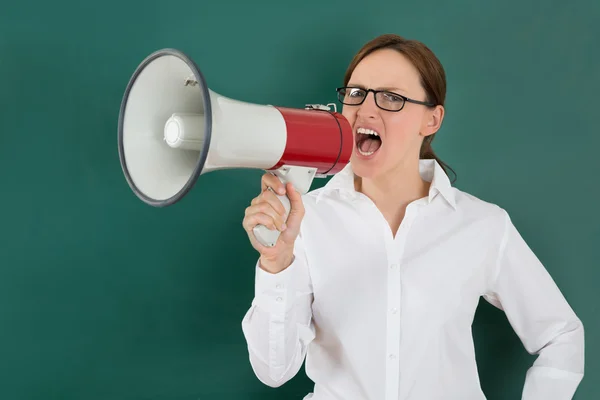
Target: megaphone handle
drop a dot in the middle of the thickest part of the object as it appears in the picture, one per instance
(268, 237)
(301, 178)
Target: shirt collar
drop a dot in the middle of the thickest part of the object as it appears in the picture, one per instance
(430, 171)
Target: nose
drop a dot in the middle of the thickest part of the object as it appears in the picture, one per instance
(368, 109)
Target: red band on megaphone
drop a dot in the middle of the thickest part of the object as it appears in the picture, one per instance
(316, 138)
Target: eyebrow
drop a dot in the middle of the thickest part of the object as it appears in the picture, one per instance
(387, 88)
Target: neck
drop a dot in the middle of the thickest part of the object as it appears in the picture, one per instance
(394, 190)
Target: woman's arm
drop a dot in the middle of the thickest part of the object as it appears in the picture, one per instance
(278, 326)
(541, 317)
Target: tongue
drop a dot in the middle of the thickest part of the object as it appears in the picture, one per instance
(369, 145)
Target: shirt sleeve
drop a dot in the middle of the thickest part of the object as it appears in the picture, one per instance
(541, 317)
(278, 326)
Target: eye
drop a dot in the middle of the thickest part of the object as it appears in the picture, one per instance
(356, 93)
(391, 97)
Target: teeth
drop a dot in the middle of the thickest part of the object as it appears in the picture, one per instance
(367, 131)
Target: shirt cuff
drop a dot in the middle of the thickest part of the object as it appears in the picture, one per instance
(273, 292)
(544, 383)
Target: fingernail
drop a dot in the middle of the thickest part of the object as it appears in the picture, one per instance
(283, 227)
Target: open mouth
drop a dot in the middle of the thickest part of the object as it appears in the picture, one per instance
(367, 141)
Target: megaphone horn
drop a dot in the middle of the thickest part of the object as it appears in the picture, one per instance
(173, 128)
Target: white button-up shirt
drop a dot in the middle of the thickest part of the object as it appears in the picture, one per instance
(387, 317)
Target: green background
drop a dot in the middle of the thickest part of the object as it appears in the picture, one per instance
(105, 298)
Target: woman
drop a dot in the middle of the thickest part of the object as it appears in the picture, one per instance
(377, 275)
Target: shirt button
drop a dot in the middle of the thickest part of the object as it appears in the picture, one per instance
(392, 357)
(393, 266)
(279, 286)
(279, 299)
(394, 310)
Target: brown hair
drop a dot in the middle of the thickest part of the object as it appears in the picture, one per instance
(433, 77)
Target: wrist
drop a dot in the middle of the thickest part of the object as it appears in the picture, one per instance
(275, 266)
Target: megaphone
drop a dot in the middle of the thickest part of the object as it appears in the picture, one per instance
(172, 129)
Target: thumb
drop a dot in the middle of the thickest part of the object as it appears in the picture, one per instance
(296, 207)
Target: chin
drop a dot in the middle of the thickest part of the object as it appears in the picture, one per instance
(367, 168)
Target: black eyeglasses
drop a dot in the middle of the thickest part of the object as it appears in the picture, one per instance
(384, 99)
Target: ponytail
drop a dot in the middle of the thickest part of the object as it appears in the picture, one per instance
(427, 153)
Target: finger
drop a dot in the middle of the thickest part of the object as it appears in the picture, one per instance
(295, 198)
(258, 219)
(296, 208)
(279, 219)
(267, 209)
(271, 181)
(263, 184)
(274, 201)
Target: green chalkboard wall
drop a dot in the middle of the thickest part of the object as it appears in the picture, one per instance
(105, 298)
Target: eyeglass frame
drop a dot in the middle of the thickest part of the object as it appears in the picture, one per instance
(404, 98)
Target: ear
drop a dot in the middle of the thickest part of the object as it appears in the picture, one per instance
(432, 121)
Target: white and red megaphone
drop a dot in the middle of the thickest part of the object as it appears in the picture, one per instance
(173, 128)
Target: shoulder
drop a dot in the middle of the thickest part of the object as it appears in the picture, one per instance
(473, 208)
(325, 199)
(323, 203)
(314, 195)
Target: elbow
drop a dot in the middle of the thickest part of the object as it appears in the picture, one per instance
(264, 366)
(578, 339)
(574, 336)
(272, 377)
(566, 350)
(274, 383)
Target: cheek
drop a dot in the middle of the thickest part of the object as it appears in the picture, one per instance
(349, 114)
(401, 128)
